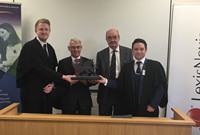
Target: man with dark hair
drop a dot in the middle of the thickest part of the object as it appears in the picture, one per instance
(142, 84)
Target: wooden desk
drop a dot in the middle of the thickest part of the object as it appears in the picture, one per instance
(13, 123)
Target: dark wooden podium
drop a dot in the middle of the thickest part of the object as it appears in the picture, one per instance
(14, 123)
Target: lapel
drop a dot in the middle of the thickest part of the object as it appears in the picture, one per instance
(81, 61)
(121, 51)
(132, 74)
(123, 58)
(67, 66)
(107, 61)
(142, 79)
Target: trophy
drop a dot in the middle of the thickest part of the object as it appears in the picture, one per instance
(86, 71)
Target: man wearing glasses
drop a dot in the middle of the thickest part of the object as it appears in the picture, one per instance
(109, 63)
(76, 97)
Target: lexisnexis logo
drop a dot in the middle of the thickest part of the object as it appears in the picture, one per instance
(194, 114)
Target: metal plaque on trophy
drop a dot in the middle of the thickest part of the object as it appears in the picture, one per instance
(86, 71)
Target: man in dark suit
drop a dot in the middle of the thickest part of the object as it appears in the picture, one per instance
(106, 97)
(36, 71)
(143, 87)
(76, 98)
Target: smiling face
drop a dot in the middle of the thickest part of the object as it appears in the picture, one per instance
(139, 50)
(42, 31)
(75, 48)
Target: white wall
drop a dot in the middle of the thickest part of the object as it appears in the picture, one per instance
(186, 1)
(88, 20)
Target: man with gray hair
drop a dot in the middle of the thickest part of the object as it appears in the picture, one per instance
(109, 64)
(76, 97)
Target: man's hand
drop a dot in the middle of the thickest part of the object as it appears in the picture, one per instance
(150, 109)
(68, 78)
(48, 88)
(102, 79)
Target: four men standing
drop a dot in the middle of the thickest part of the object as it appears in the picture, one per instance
(36, 77)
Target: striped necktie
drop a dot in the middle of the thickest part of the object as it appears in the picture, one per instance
(76, 62)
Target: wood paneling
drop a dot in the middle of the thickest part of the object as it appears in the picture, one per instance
(47, 124)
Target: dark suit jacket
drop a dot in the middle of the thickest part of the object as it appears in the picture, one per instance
(152, 88)
(34, 71)
(103, 68)
(76, 94)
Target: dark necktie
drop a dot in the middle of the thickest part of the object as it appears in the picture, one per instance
(137, 85)
(113, 66)
(138, 71)
(45, 50)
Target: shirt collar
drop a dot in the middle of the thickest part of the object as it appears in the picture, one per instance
(111, 50)
(142, 60)
(42, 43)
(75, 58)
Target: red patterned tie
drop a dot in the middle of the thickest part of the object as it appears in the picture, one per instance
(75, 66)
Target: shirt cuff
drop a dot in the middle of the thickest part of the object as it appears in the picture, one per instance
(105, 84)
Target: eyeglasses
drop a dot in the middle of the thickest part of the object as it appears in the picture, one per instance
(112, 37)
(75, 47)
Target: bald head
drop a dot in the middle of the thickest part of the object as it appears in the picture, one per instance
(112, 30)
